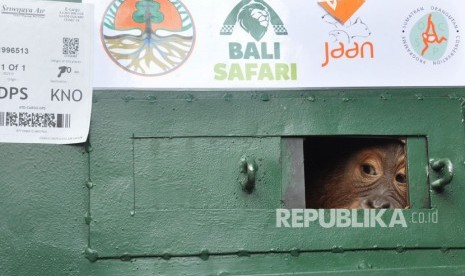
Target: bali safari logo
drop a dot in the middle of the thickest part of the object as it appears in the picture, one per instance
(254, 16)
(254, 19)
(430, 35)
(348, 39)
(148, 37)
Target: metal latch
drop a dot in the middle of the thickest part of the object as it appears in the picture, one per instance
(445, 172)
(248, 168)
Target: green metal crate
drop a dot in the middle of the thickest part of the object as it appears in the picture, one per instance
(156, 191)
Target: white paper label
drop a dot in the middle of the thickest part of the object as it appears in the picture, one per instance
(45, 72)
(278, 44)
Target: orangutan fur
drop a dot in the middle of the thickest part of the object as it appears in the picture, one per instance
(368, 175)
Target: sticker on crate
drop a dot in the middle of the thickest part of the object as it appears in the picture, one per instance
(278, 44)
(260, 60)
(147, 38)
(341, 10)
(45, 72)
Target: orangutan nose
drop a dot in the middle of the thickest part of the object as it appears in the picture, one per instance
(377, 202)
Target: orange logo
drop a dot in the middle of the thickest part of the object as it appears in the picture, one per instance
(342, 10)
(430, 35)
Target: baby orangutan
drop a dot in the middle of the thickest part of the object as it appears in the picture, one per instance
(368, 175)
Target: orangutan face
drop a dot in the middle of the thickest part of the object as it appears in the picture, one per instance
(373, 177)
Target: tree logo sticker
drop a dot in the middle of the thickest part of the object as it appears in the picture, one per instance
(431, 36)
(148, 37)
(254, 16)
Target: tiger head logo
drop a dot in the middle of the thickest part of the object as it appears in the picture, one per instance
(254, 19)
(254, 16)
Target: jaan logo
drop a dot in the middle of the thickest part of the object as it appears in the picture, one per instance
(148, 37)
(255, 18)
(430, 35)
(349, 40)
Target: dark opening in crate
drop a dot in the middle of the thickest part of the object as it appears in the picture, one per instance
(354, 172)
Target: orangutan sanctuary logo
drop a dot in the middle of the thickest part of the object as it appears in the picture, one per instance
(431, 35)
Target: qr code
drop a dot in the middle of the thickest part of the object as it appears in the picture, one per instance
(70, 46)
(45, 120)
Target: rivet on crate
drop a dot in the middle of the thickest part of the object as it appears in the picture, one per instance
(364, 265)
(151, 99)
(228, 97)
(419, 97)
(91, 254)
(295, 252)
(204, 254)
(243, 253)
(87, 218)
(310, 98)
(166, 256)
(89, 185)
(265, 97)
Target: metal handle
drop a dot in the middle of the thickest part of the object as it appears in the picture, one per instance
(445, 169)
(248, 168)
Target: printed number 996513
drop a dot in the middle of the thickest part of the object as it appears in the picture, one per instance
(15, 50)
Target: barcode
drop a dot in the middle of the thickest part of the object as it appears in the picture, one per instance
(70, 46)
(44, 120)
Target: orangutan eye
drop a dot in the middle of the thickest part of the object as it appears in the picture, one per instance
(401, 178)
(368, 169)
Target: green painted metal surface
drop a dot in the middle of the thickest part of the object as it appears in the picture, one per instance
(156, 190)
(202, 173)
(228, 230)
(173, 158)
